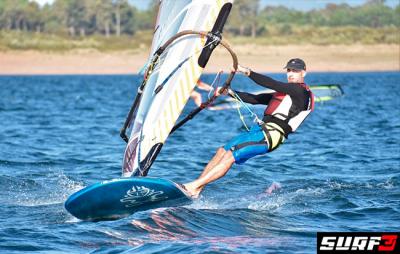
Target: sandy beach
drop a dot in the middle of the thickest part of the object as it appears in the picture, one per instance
(335, 58)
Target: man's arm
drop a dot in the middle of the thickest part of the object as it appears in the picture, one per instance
(273, 84)
(203, 86)
(262, 98)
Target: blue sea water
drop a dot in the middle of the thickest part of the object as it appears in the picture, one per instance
(58, 134)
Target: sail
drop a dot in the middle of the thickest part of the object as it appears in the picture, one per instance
(326, 92)
(172, 78)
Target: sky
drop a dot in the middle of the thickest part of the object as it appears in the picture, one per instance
(303, 5)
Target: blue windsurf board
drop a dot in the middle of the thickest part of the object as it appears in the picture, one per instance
(118, 198)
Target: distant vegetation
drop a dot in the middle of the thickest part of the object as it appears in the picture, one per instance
(117, 25)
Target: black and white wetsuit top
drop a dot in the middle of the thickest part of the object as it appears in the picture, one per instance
(287, 107)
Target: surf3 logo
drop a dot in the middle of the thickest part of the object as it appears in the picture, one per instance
(361, 242)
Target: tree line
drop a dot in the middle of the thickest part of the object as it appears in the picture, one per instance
(117, 17)
(248, 20)
(76, 17)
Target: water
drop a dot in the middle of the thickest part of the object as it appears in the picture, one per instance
(341, 172)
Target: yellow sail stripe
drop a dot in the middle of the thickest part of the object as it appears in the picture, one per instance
(179, 105)
(168, 120)
(179, 90)
(162, 122)
(178, 100)
(188, 81)
(182, 87)
(193, 68)
(173, 112)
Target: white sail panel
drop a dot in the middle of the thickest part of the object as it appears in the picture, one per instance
(177, 72)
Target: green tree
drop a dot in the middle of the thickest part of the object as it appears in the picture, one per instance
(5, 17)
(128, 19)
(73, 14)
(99, 16)
(104, 16)
(243, 17)
(375, 14)
(53, 19)
(146, 19)
(117, 4)
(397, 16)
(34, 17)
(14, 15)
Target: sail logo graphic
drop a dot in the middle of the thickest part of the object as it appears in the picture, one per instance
(138, 195)
(360, 242)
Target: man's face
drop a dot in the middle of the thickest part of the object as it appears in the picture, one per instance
(295, 76)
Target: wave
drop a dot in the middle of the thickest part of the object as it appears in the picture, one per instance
(52, 187)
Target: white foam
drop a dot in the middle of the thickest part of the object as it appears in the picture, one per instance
(54, 189)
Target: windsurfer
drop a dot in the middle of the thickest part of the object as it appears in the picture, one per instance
(286, 110)
(196, 96)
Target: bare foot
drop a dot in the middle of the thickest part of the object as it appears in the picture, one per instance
(192, 191)
(272, 188)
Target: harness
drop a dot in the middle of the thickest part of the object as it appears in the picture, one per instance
(284, 112)
(267, 129)
(281, 118)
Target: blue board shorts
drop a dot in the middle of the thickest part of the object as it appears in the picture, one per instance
(254, 142)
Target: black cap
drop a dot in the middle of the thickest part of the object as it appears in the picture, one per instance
(296, 64)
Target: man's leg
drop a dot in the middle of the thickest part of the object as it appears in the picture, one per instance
(212, 174)
(223, 159)
(196, 96)
(214, 161)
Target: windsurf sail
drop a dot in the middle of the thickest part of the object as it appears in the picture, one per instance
(185, 35)
(326, 92)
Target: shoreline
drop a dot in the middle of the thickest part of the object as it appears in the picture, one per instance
(333, 58)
